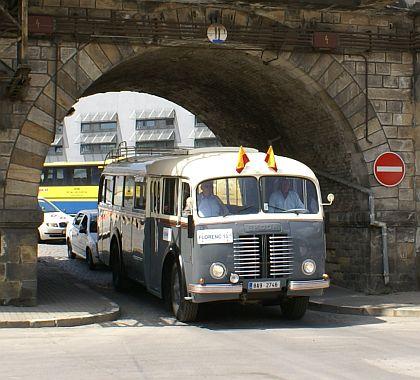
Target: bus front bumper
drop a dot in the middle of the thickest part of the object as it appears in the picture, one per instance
(233, 291)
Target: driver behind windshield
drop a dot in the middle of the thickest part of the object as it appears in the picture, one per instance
(209, 204)
(284, 197)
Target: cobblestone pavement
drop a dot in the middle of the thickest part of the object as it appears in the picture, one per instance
(56, 255)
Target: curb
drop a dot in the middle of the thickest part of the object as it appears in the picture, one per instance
(111, 314)
(377, 311)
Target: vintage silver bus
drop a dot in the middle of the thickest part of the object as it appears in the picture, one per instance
(191, 229)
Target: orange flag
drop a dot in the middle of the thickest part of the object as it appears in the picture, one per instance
(270, 159)
(242, 160)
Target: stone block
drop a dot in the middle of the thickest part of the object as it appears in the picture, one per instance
(87, 3)
(349, 93)
(2, 272)
(21, 108)
(405, 251)
(34, 52)
(67, 53)
(89, 66)
(52, 3)
(376, 138)
(390, 82)
(20, 271)
(32, 93)
(48, 53)
(400, 145)
(407, 58)
(339, 84)
(21, 188)
(405, 82)
(371, 154)
(407, 206)
(99, 13)
(5, 148)
(389, 94)
(24, 158)
(22, 173)
(406, 194)
(354, 18)
(67, 83)
(28, 253)
(330, 75)
(4, 162)
(98, 56)
(385, 117)
(9, 291)
(112, 53)
(20, 202)
(361, 68)
(401, 70)
(390, 131)
(408, 107)
(8, 135)
(387, 204)
(45, 104)
(383, 68)
(38, 66)
(41, 118)
(30, 145)
(393, 57)
(321, 66)
(374, 80)
(377, 57)
(126, 50)
(385, 192)
(29, 290)
(109, 4)
(37, 132)
(379, 105)
(356, 105)
(405, 132)
(70, 3)
(394, 106)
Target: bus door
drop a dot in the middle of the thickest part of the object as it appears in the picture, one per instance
(104, 219)
(186, 208)
(151, 232)
(137, 230)
(166, 228)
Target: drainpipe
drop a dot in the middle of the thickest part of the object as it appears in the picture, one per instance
(372, 221)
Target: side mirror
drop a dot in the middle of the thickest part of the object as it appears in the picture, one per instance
(330, 199)
(190, 226)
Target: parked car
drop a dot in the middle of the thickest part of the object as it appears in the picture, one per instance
(81, 237)
(55, 222)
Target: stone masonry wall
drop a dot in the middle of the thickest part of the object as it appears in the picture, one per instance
(27, 129)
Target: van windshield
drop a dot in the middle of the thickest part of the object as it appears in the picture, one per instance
(228, 196)
(239, 196)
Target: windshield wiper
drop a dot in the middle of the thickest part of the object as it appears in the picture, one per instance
(297, 211)
(246, 208)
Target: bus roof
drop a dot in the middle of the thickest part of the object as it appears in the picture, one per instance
(202, 164)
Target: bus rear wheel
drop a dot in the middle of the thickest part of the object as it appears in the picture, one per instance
(294, 308)
(183, 310)
(119, 280)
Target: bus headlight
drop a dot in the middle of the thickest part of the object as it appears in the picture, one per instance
(308, 267)
(217, 270)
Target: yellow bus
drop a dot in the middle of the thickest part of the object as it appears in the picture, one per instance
(71, 186)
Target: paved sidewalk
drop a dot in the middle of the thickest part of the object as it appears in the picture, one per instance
(344, 301)
(61, 302)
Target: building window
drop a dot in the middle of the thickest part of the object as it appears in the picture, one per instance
(165, 144)
(198, 122)
(155, 123)
(96, 148)
(106, 126)
(59, 129)
(204, 143)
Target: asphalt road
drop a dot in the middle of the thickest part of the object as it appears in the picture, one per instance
(229, 341)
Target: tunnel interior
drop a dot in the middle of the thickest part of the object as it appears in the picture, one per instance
(246, 102)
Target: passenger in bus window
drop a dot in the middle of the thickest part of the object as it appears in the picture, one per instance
(209, 204)
(284, 198)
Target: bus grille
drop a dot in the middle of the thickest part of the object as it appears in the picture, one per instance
(263, 256)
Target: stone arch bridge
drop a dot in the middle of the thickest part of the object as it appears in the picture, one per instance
(332, 86)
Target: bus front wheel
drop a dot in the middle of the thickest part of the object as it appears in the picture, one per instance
(294, 308)
(184, 310)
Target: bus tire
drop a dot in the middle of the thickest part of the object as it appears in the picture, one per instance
(70, 253)
(183, 310)
(294, 308)
(119, 280)
(89, 259)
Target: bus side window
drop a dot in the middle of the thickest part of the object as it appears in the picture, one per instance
(155, 196)
(101, 192)
(118, 190)
(186, 199)
(109, 190)
(128, 192)
(170, 196)
(80, 176)
(140, 196)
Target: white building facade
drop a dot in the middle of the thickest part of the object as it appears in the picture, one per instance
(100, 122)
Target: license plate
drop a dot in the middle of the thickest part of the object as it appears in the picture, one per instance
(264, 285)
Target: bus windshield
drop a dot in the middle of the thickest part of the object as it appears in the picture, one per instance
(238, 196)
(228, 196)
(288, 194)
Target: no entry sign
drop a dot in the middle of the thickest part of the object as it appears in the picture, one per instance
(389, 169)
